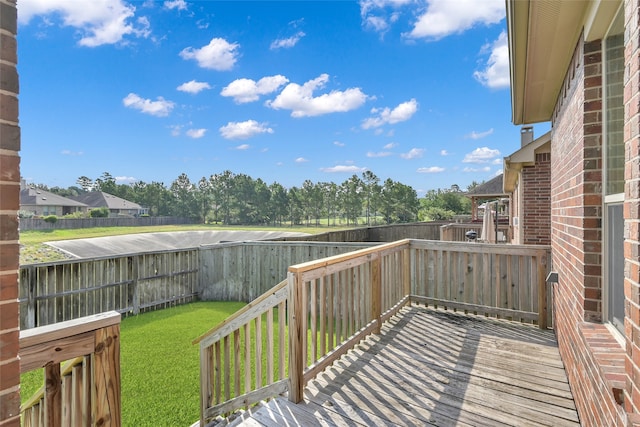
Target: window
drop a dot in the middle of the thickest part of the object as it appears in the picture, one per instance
(613, 173)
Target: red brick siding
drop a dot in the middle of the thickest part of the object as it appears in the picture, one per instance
(9, 205)
(536, 180)
(576, 239)
(632, 201)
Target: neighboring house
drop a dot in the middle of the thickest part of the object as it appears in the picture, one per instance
(486, 192)
(43, 203)
(527, 177)
(116, 205)
(575, 63)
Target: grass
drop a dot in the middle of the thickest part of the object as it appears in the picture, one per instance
(159, 365)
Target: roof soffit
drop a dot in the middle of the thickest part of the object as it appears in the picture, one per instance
(542, 37)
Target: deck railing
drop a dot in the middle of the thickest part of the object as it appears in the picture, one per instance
(243, 359)
(85, 390)
(335, 302)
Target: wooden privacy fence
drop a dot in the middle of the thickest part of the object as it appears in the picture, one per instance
(237, 271)
(333, 303)
(65, 290)
(85, 391)
(242, 271)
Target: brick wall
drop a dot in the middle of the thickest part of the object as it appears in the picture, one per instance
(631, 207)
(9, 205)
(576, 235)
(536, 202)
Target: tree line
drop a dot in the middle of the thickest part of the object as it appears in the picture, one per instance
(231, 198)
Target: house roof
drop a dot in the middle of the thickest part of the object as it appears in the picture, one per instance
(37, 197)
(542, 38)
(525, 156)
(491, 188)
(99, 199)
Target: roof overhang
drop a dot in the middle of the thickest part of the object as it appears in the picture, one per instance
(526, 156)
(542, 38)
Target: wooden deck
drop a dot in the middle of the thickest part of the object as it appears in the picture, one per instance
(434, 367)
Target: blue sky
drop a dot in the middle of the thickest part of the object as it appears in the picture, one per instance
(416, 91)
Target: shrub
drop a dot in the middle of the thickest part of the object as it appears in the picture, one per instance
(25, 214)
(50, 219)
(99, 213)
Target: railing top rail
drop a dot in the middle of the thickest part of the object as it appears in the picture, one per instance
(62, 341)
(60, 330)
(336, 259)
(247, 312)
(476, 247)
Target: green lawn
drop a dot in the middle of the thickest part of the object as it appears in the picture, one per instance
(159, 365)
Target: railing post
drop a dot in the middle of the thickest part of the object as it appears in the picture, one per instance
(106, 374)
(541, 259)
(406, 271)
(296, 322)
(376, 293)
(52, 395)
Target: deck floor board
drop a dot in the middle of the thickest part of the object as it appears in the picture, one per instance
(435, 367)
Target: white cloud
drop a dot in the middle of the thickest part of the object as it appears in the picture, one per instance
(431, 169)
(338, 144)
(247, 90)
(343, 168)
(498, 172)
(390, 145)
(481, 155)
(301, 160)
(479, 135)
(125, 179)
(379, 154)
(496, 73)
(414, 153)
(72, 153)
(401, 113)
(377, 15)
(219, 55)
(446, 17)
(242, 147)
(175, 4)
(159, 108)
(244, 130)
(196, 133)
(193, 87)
(484, 169)
(444, 153)
(98, 22)
(302, 103)
(288, 42)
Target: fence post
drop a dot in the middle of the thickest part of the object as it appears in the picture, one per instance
(541, 259)
(376, 291)
(134, 283)
(296, 362)
(30, 319)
